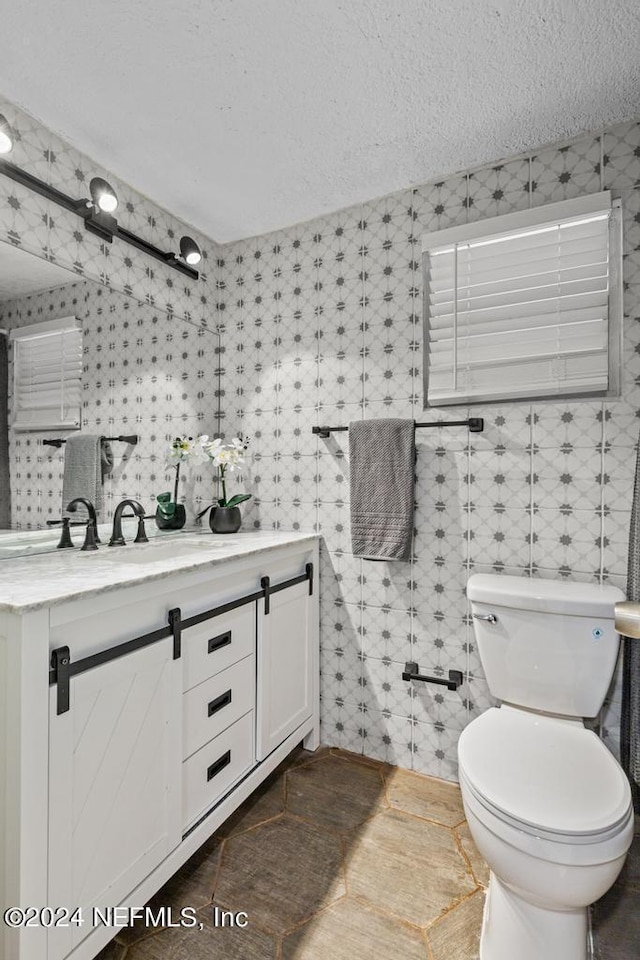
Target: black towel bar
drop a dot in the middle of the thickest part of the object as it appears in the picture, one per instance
(412, 672)
(58, 441)
(475, 425)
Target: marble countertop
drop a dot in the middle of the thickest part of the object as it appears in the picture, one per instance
(29, 583)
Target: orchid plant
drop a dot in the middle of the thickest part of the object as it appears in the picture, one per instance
(226, 456)
(184, 450)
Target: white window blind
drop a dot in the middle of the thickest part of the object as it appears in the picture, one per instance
(47, 375)
(520, 306)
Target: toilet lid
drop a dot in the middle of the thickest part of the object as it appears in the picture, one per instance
(544, 772)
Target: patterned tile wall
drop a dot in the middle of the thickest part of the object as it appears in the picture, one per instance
(138, 311)
(322, 324)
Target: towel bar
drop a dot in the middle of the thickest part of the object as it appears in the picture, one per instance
(412, 672)
(475, 425)
(58, 441)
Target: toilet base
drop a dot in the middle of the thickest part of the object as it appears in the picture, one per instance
(513, 928)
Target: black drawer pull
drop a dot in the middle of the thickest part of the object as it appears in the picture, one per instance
(219, 765)
(218, 703)
(216, 643)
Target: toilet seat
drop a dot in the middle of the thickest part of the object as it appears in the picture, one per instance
(544, 776)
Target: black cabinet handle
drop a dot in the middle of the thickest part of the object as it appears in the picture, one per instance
(222, 701)
(219, 765)
(216, 643)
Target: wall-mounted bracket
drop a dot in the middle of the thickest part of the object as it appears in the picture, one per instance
(412, 672)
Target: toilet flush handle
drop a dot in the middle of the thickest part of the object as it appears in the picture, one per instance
(489, 617)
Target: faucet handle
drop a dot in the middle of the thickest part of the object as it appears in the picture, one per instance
(91, 539)
(141, 535)
(65, 536)
(117, 539)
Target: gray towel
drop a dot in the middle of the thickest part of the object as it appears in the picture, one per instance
(87, 459)
(382, 455)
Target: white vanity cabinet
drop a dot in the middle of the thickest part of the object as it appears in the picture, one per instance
(136, 719)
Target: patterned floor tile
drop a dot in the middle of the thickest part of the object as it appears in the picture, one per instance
(281, 873)
(457, 935)
(425, 797)
(408, 867)
(350, 930)
(335, 793)
(478, 865)
(230, 943)
(264, 804)
(191, 886)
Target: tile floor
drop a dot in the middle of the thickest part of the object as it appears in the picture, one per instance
(616, 917)
(335, 856)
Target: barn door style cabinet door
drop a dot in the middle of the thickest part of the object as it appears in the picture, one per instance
(114, 790)
(134, 721)
(285, 662)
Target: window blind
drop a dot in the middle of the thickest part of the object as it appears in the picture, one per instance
(47, 381)
(522, 311)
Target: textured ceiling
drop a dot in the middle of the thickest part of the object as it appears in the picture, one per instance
(242, 116)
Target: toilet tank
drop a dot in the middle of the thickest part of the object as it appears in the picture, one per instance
(545, 644)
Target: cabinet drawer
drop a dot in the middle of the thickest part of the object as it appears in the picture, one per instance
(214, 645)
(214, 705)
(210, 772)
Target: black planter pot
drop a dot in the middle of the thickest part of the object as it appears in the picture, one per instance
(175, 522)
(225, 519)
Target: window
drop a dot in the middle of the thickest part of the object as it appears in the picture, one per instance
(528, 305)
(47, 375)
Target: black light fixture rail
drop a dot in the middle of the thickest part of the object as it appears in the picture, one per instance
(95, 219)
(412, 672)
(475, 425)
(63, 668)
(58, 441)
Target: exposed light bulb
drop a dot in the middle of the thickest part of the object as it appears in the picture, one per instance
(6, 135)
(103, 195)
(190, 251)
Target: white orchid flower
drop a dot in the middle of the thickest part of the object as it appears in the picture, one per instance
(226, 456)
(180, 450)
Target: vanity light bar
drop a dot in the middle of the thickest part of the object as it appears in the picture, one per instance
(100, 222)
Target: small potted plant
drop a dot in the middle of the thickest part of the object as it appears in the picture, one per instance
(171, 515)
(225, 516)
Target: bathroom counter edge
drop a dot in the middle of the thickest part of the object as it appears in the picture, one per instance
(31, 583)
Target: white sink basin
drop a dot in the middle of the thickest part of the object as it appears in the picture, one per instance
(156, 552)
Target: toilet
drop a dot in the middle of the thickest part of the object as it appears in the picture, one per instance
(548, 805)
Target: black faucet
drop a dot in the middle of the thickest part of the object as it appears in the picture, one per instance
(91, 539)
(117, 539)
